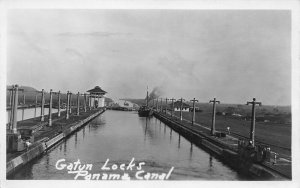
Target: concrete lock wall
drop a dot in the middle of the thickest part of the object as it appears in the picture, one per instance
(42, 146)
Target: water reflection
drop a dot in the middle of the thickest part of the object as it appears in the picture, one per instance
(191, 151)
(75, 140)
(178, 141)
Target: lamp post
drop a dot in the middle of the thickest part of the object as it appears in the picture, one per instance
(212, 130)
(181, 103)
(166, 105)
(252, 131)
(172, 110)
(193, 118)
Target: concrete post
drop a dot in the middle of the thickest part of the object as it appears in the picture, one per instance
(35, 105)
(89, 102)
(43, 105)
(84, 102)
(50, 108)
(98, 100)
(14, 124)
(172, 110)
(181, 106)
(68, 105)
(23, 106)
(78, 104)
(252, 131)
(166, 105)
(58, 114)
(213, 125)
(193, 118)
(11, 106)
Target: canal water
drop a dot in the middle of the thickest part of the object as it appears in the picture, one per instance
(122, 138)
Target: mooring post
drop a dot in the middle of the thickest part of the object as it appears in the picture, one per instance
(50, 109)
(14, 124)
(68, 105)
(43, 105)
(58, 113)
(35, 105)
(84, 102)
(166, 105)
(78, 103)
(193, 118)
(23, 106)
(252, 131)
(181, 106)
(213, 125)
(172, 110)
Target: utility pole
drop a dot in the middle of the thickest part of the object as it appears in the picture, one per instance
(68, 105)
(78, 103)
(172, 110)
(84, 102)
(252, 131)
(181, 103)
(15, 109)
(161, 106)
(35, 106)
(58, 114)
(11, 101)
(193, 118)
(23, 105)
(43, 105)
(58, 99)
(213, 128)
(166, 105)
(50, 108)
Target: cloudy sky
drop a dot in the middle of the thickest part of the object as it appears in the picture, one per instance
(233, 55)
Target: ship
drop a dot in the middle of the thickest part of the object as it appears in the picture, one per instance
(145, 110)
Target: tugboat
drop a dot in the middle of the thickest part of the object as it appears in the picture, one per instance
(145, 110)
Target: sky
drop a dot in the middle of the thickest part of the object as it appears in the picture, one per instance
(233, 55)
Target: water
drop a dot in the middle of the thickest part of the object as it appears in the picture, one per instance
(29, 113)
(120, 136)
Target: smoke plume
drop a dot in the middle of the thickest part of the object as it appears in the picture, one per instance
(155, 93)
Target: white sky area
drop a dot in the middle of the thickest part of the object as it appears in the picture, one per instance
(233, 55)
